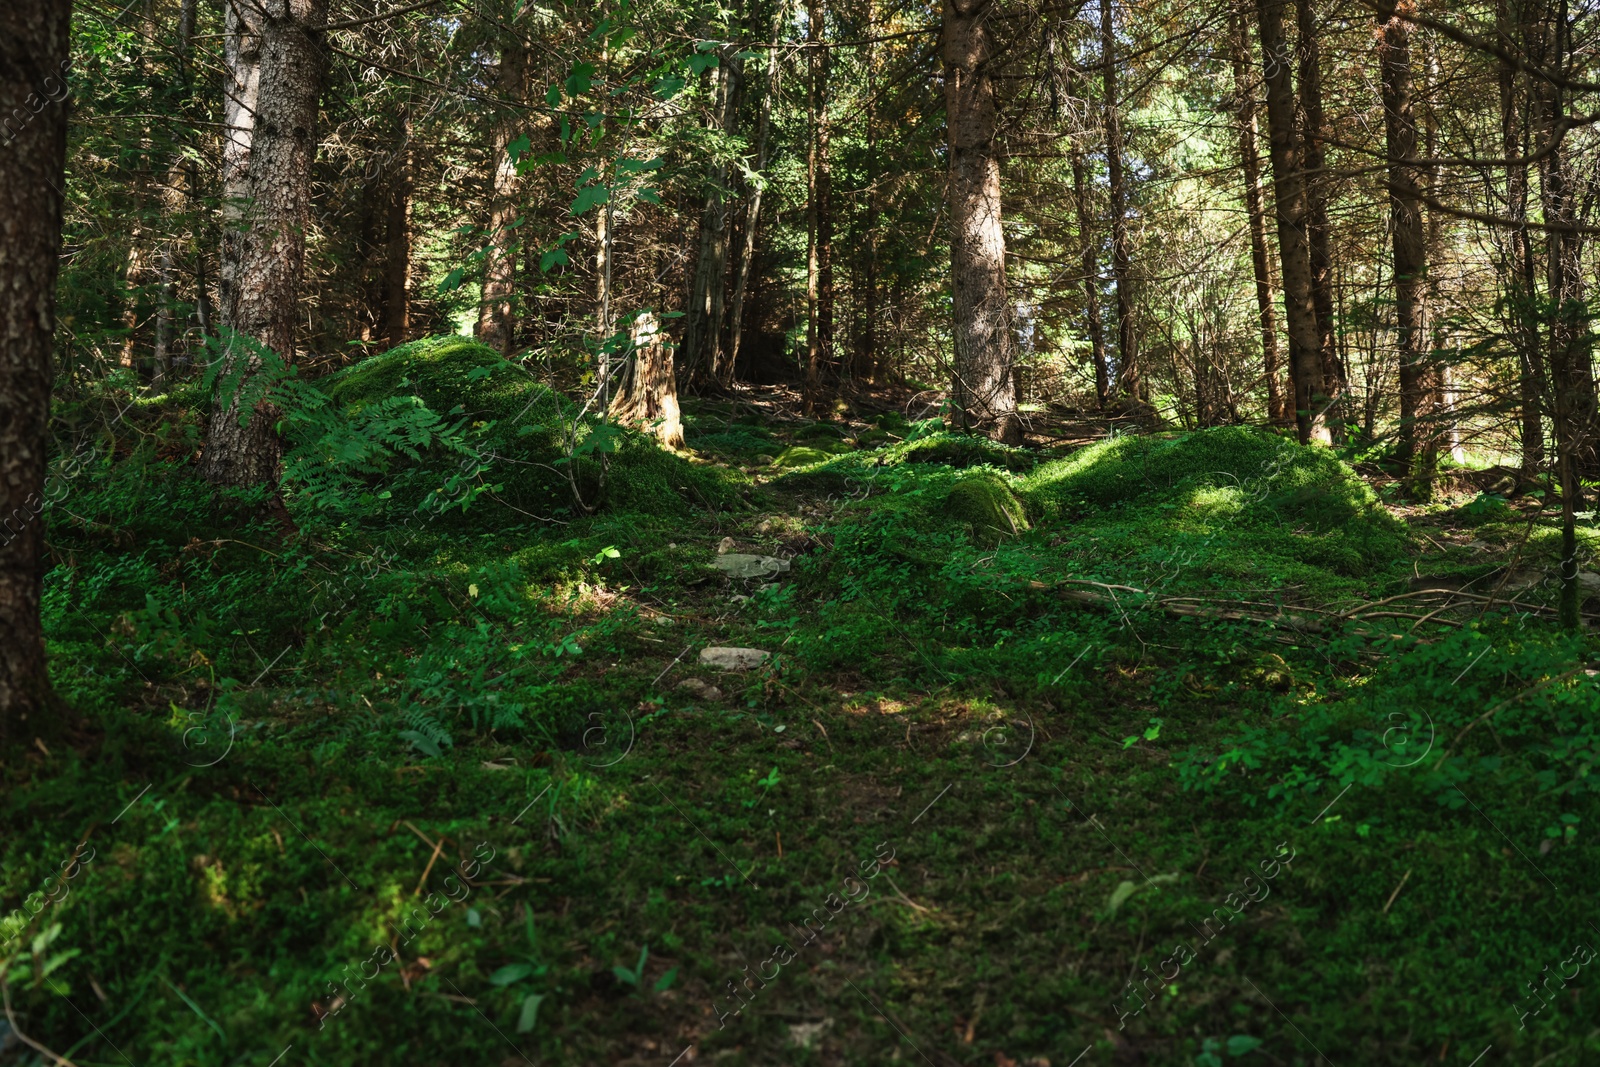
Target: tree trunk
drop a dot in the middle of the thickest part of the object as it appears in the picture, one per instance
(33, 55)
(1289, 194)
(752, 218)
(819, 212)
(1089, 257)
(866, 355)
(1255, 209)
(647, 396)
(1418, 450)
(397, 244)
(497, 324)
(702, 329)
(1132, 382)
(241, 86)
(1447, 434)
(1317, 230)
(175, 199)
(271, 255)
(983, 389)
(1517, 262)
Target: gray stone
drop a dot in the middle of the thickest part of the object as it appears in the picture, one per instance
(732, 659)
(743, 565)
(698, 688)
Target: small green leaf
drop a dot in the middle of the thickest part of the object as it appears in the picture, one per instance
(530, 1012)
(590, 197)
(552, 96)
(452, 281)
(511, 972)
(1239, 1044)
(665, 981)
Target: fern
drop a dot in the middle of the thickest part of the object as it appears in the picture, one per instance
(336, 450)
(425, 733)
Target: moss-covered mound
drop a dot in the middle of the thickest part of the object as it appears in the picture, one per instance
(983, 501)
(959, 450)
(801, 456)
(1230, 482)
(524, 429)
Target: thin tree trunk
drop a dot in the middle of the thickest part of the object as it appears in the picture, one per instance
(1517, 262)
(1289, 195)
(1571, 371)
(265, 305)
(1256, 211)
(1131, 380)
(984, 388)
(702, 333)
(1317, 229)
(397, 243)
(1089, 257)
(866, 361)
(33, 54)
(1448, 433)
(1418, 450)
(752, 219)
(497, 324)
(819, 211)
(175, 197)
(241, 88)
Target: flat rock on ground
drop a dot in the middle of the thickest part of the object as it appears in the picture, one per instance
(732, 659)
(741, 565)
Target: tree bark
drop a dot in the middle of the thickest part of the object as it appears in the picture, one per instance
(1089, 257)
(752, 218)
(647, 395)
(241, 95)
(265, 302)
(1289, 189)
(175, 198)
(702, 330)
(1256, 211)
(1517, 261)
(1317, 229)
(819, 211)
(497, 324)
(33, 57)
(983, 387)
(1130, 378)
(866, 355)
(397, 243)
(1418, 450)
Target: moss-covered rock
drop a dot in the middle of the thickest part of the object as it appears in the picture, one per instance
(984, 502)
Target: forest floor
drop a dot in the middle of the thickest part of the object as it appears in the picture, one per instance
(1166, 749)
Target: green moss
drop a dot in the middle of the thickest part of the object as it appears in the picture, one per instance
(526, 428)
(1231, 484)
(985, 502)
(801, 456)
(959, 450)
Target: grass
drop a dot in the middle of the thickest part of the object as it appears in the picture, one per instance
(1016, 814)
